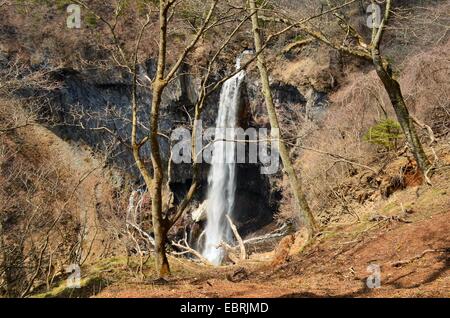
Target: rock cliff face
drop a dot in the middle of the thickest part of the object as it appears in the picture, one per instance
(93, 107)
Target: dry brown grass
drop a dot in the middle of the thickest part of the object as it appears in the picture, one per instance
(353, 109)
(40, 38)
(425, 81)
(57, 204)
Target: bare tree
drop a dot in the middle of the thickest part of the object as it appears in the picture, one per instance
(294, 178)
(384, 71)
(371, 52)
(163, 220)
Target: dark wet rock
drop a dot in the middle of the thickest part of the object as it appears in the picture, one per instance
(94, 97)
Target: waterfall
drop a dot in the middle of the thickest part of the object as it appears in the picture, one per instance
(222, 175)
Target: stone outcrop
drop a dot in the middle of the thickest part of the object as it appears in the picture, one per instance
(94, 102)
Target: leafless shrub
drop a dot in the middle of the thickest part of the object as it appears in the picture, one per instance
(416, 27)
(18, 79)
(354, 108)
(34, 241)
(426, 79)
(43, 225)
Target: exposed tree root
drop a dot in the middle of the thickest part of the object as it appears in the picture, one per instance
(404, 262)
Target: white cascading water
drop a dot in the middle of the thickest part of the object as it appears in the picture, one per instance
(222, 175)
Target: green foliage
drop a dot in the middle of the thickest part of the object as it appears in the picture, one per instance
(191, 15)
(62, 4)
(385, 133)
(91, 20)
(299, 37)
(59, 3)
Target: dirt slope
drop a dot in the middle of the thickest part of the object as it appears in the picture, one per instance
(84, 184)
(407, 235)
(335, 267)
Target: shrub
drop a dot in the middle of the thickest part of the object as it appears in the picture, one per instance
(385, 133)
(90, 20)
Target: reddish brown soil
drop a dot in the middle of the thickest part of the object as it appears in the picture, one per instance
(335, 267)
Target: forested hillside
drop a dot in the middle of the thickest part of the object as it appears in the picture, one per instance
(257, 148)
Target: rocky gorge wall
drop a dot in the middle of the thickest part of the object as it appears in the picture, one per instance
(92, 107)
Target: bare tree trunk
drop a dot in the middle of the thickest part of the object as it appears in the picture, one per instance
(394, 91)
(371, 53)
(294, 179)
(159, 224)
(161, 261)
(154, 185)
(401, 110)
